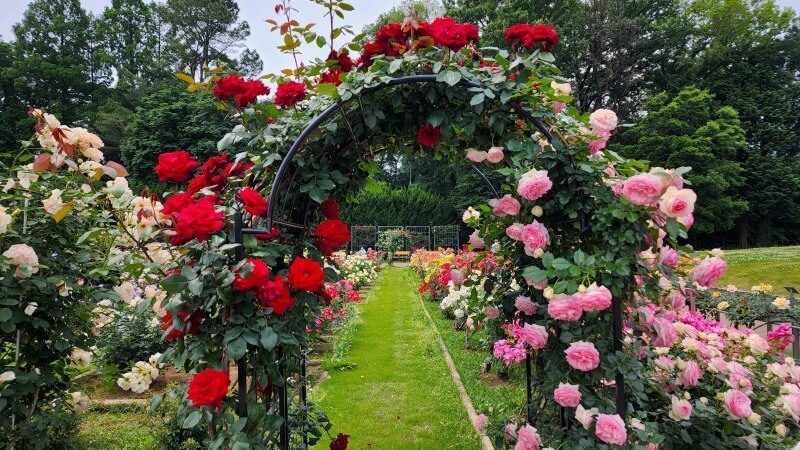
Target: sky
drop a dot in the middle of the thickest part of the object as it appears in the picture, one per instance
(255, 12)
(252, 11)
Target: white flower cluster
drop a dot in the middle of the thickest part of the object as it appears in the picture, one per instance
(79, 401)
(103, 314)
(359, 269)
(145, 217)
(80, 357)
(457, 300)
(141, 375)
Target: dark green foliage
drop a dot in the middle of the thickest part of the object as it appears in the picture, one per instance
(411, 205)
(168, 120)
(129, 338)
(174, 437)
(688, 130)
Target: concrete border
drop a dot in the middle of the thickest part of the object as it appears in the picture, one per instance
(486, 443)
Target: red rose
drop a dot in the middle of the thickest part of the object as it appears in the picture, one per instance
(342, 59)
(517, 34)
(253, 202)
(340, 443)
(175, 166)
(208, 388)
(370, 50)
(331, 76)
(290, 93)
(197, 221)
(455, 36)
(390, 33)
(258, 275)
(176, 202)
(236, 169)
(273, 234)
(428, 135)
(331, 234)
(305, 274)
(242, 91)
(275, 294)
(191, 325)
(330, 209)
(543, 34)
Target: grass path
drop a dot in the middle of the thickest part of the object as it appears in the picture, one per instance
(400, 394)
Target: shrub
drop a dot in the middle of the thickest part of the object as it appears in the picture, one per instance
(130, 338)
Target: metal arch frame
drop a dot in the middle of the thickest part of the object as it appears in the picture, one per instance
(240, 231)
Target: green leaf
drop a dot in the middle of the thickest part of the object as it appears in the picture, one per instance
(328, 89)
(561, 264)
(450, 77)
(536, 274)
(192, 419)
(196, 286)
(477, 99)
(395, 65)
(237, 348)
(174, 283)
(5, 314)
(547, 56)
(269, 339)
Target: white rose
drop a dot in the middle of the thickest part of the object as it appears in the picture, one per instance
(53, 203)
(5, 220)
(31, 308)
(781, 303)
(5, 377)
(24, 257)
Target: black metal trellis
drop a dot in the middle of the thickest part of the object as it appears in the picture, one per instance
(239, 232)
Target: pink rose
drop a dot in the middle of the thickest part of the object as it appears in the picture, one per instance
(564, 307)
(690, 374)
(791, 406)
(681, 409)
(528, 439)
(687, 221)
(525, 305)
(557, 107)
(24, 257)
(665, 332)
(584, 416)
(510, 432)
(677, 203)
(668, 256)
(582, 356)
(737, 404)
(567, 395)
(533, 335)
(476, 156)
(709, 270)
(494, 155)
(603, 120)
(540, 286)
(718, 365)
(457, 277)
(534, 184)
(665, 363)
(491, 312)
(476, 241)
(506, 206)
(480, 423)
(595, 298)
(740, 382)
(535, 236)
(611, 429)
(514, 231)
(642, 189)
(596, 145)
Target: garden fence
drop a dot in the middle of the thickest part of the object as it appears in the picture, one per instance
(430, 237)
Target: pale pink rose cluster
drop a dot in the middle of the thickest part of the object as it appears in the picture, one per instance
(528, 438)
(567, 395)
(509, 352)
(582, 356)
(534, 184)
(534, 236)
(506, 206)
(24, 257)
(709, 271)
(571, 307)
(525, 305)
(681, 409)
(610, 428)
(533, 335)
(493, 155)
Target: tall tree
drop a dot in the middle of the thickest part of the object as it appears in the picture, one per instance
(131, 35)
(201, 32)
(55, 64)
(689, 130)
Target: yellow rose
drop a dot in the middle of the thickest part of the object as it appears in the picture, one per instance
(781, 303)
(722, 306)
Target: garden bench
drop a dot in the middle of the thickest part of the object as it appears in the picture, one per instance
(402, 255)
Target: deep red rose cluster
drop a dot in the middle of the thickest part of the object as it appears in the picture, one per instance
(343, 64)
(331, 234)
(208, 388)
(340, 443)
(216, 171)
(242, 91)
(192, 325)
(392, 39)
(253, 202)
(530, 37)
(175, 166)
(197, 221)
(330, 209)
(428, 135)
(259, 273)
(275, 294)
(290, 93)
(306, 274)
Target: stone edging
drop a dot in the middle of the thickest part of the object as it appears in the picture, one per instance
(486, 443)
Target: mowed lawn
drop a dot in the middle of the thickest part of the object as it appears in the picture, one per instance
(399, 394)
(778, 266)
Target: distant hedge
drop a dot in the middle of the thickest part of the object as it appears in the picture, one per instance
(411, 205)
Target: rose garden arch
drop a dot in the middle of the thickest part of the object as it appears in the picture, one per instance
(296, 216)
